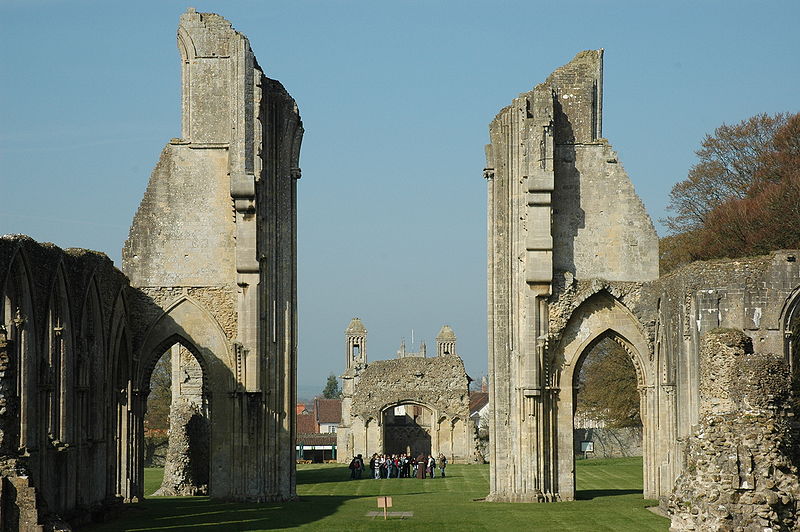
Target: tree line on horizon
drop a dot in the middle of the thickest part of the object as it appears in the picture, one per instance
(741, 198)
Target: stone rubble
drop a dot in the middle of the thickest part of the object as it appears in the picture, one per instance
(740, 472)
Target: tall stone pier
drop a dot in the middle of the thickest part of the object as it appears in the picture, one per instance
(212, 252)
(561, 210)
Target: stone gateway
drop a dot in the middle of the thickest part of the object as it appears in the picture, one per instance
(412, 404)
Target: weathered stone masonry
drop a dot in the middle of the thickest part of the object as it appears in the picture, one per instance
(572, 260)
(560, 208)
(211, 273)
(64, 384)
(741, 464)
(212, 250)
(413, 403)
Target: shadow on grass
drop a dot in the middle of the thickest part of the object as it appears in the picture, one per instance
(342, 474)
(328, 474)
(208, 515)
(586, 495)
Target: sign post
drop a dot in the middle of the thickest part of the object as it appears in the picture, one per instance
(385, 503)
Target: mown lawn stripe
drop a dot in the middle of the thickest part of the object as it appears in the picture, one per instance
(329, 500)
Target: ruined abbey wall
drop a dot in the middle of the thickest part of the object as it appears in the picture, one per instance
(212, 252)
(560, 209)
(211, 274)
(64, 383)
(758, 295)
(572, 260)
(740, 461)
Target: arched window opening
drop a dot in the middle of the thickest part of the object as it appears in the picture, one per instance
(90, 398)
(122, 469)
(18, 325)
(55, 369)
(792, 339)
(17, 322)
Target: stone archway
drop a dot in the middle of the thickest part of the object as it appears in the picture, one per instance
(186, 469)
(186, 324)
(600, 316)
(407, 428)
(791, 333)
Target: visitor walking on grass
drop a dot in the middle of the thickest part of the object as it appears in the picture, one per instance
(360, 466)
(442, 463)
(356, 464)
(431, 466)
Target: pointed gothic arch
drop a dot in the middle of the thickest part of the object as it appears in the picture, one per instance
(186, 322)
(91, 393)
(790, 325)
(121, 479)
(56, 393)
(600, 316)
(19, 324)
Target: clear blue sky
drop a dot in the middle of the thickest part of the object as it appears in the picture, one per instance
(396, 98)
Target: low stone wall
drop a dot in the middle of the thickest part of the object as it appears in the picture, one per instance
(610, 443)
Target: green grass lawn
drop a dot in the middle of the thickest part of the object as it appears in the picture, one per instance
(609, 493)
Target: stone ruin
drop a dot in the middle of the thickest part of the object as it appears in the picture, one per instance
(412, 404)
(561, 211)
(741, 462)
(210, 264)
(573, 260)
(209, 270)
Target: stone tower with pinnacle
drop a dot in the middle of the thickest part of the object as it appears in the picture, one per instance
(445, 341)
(355, 353)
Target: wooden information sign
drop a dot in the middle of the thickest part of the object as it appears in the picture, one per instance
(385, 503)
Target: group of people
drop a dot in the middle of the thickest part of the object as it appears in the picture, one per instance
(398, 466)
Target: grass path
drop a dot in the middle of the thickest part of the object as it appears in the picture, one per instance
(609, 493)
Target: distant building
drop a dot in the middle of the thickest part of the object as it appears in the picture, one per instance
(316, 430)
(411, 404)
(328, 414)
(478, 406)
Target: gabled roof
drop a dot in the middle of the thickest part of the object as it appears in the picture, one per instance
(328, 410)
(306, 424)
(477, 400)
(300, 408)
